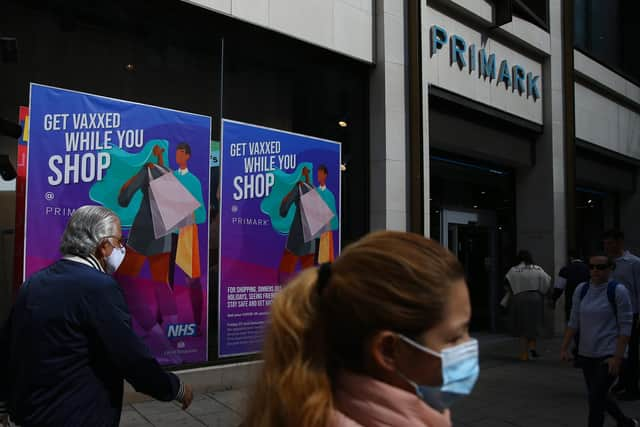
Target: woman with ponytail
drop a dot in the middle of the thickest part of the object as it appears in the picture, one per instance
(379, 337)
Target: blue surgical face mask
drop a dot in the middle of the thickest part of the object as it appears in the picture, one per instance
(460, 370)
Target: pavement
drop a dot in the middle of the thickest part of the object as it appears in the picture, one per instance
(509, 393)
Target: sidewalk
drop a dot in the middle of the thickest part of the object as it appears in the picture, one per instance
(509, 393)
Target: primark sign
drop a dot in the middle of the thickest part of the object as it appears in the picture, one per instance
(514, 77)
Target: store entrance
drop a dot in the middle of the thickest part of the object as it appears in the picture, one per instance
(472, 236)
(472, 214)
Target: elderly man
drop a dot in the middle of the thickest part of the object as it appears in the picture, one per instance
(68, 344)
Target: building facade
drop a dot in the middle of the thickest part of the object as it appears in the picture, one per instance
(474, 122)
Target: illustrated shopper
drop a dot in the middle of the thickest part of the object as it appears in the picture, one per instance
(325, 244)
(143, 246)
(296, 249)
(379, 337)
(602, 315)
(627, 272)
(185, 249)
(68, 345)
(528, 284)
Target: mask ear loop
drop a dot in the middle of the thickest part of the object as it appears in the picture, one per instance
(419, 346)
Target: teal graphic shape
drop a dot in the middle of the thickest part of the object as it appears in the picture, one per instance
(125, 165)
(282, 185)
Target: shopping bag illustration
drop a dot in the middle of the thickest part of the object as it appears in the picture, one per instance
(325, 249)
(171, 203)
(315, 213)
(188, 251)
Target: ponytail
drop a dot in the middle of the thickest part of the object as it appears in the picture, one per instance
(293, 388)
(386, 281)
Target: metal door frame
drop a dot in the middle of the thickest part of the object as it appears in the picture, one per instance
(488, 219)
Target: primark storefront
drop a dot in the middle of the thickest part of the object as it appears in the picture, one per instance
(489, 138)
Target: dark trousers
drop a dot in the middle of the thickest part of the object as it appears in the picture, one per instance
(629, 374)
(599, 381)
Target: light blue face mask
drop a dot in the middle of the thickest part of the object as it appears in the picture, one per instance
(460, 370)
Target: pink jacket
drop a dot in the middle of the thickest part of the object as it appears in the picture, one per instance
(362, 401)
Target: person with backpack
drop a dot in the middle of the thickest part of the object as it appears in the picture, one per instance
(602, 315)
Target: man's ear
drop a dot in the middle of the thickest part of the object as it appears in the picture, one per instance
(101, 250)
(383, 350)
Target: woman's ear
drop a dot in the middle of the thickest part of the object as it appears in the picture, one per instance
(384, 351)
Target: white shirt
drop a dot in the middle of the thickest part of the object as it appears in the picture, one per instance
(183, 171)
(91, 261)
(523, 278)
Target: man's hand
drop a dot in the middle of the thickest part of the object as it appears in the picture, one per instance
(565, 356)
(188, 396)
(614, 365)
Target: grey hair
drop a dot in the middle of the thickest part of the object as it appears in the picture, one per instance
(87, 228)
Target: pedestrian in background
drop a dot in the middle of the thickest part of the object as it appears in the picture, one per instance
(68, 344)
(627, 272)
(602, 315)
(527, 284)
(570, 276)
(379, 337)
(575, 273)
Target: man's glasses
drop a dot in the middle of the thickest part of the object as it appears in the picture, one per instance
(600, 267)
(121, 242)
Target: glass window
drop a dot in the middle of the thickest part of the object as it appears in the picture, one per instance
(534, 11)
(596, 212)
(608, 32)
(172, 54)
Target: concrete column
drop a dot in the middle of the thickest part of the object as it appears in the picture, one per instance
(388, 118)
(540, 191)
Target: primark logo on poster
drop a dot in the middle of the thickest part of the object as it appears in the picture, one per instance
(514, 77)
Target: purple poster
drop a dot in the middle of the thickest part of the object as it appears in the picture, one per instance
(151, 166)
(279, 213)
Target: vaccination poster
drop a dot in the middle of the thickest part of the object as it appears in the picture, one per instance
(21, 186)
(151, 166)
(279, 214)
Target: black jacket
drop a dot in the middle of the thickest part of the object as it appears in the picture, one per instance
(67, 347)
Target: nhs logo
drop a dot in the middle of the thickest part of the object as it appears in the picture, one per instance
(179, 330)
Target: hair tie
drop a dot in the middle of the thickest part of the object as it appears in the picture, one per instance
(324, 274)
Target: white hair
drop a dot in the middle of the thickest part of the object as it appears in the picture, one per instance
(87, 228)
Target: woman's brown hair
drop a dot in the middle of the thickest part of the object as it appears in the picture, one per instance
(386, 281)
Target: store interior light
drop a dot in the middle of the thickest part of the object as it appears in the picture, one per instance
(589, 201)
(483, 192)
(475, 206)
(343, 124)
